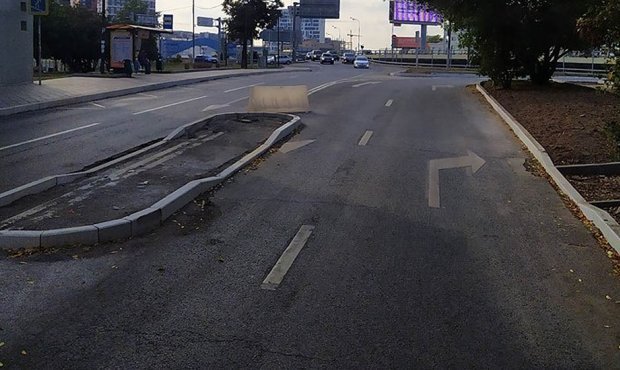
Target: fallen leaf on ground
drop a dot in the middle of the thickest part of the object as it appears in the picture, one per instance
(580, 280)
(1, 344)
(24, 353)
(608, 298)
(571, 270)
(606, 326)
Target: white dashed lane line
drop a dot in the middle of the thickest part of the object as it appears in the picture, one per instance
(275, 277)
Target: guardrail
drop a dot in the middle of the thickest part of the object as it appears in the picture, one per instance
(568, 65)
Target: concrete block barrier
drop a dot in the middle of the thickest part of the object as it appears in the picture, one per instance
(279, 99)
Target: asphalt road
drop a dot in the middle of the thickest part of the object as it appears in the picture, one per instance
(61, 140)
(499, 275)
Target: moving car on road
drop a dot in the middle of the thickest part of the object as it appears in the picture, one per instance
(327, 58)
(315, 55)
(361, 62)
(348, 58)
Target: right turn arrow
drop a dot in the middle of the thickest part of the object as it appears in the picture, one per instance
(471, 160)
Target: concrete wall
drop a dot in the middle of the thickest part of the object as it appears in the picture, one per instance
(16, 52)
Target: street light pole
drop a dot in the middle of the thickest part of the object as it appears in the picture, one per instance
(359, 32)
(339, 36)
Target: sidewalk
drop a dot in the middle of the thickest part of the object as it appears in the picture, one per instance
(73, 90)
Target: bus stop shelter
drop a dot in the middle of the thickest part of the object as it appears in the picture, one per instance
(125, 41)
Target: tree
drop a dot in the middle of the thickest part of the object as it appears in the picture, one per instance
(434, 39)
(601, 26)
(246, 17)
(71, 35)
(517, 38)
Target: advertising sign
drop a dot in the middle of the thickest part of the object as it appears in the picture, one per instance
(120, 48)
(39, 7)
(204, 22)
(409, 12)
(168, 21)
(319, 9)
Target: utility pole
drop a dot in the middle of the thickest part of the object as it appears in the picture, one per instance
(193, 31)
(294, 43)
(103, 46)
(219, 37)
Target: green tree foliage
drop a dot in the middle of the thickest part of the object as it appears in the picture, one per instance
(434, 39)
(246, 17)
(601, 26)
(71, 35)
(517, 38)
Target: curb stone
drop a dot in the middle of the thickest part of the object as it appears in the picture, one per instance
(131, 90)
(148, 219)
(600, 218)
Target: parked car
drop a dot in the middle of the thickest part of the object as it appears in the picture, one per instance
(327, 58)
(361, 62)
(348, 58)
(284, 59)
(206, 59)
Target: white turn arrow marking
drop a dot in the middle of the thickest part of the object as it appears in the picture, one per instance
(367, 83)
(215, 107)
(435, 87)
(471, 160)
(294, 145)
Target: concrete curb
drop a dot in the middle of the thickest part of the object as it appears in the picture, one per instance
(148, 219)
(132, 90)
(601, 219)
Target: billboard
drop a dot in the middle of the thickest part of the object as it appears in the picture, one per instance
(319, 9)
(409, 12)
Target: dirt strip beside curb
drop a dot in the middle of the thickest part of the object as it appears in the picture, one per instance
(600, 218)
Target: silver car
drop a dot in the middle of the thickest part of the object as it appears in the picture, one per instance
(361, 62)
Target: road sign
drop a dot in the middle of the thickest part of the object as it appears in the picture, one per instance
(319, 9)
(204, 22)
(39, 7)
(168, 21)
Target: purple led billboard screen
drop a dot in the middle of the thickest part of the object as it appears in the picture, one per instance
(409, 12)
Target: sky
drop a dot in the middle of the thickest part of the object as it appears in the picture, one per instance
(376, 30)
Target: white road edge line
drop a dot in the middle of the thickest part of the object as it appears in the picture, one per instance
(389, 103)
(48, 136)
(364, 140)
(279, 270)
(97, 105)
(244, 87)
(171, 105)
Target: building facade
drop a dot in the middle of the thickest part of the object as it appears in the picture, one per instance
(311, 28)
(88, 4)
(16, 54)
(114, 6)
